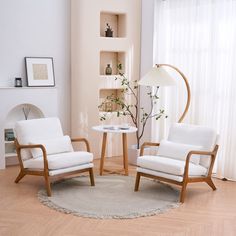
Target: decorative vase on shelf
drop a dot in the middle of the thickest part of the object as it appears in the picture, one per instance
(108, 70)
(109, 31)
(18, 82)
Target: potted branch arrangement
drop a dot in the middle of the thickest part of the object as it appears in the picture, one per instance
(128, 105)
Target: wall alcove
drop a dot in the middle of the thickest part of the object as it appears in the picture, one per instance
(38, 102)
(90, 75)
(19, 112)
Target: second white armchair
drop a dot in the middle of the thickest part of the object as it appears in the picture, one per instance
(43, 150)
(187, 156)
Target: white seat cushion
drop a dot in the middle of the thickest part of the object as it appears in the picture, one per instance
(60, 161)
(160, 174)
(169, 166)
(70, 169)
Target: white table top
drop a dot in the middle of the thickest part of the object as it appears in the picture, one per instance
(114, 129)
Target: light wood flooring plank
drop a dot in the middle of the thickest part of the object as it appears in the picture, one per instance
(204, 212)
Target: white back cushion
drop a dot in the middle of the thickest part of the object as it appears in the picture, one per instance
(178, 151)
(52, 146)
(194, 135)
(44, 128)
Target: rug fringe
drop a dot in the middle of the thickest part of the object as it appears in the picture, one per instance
(44, 199)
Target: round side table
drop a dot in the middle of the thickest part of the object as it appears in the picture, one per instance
(115, 129)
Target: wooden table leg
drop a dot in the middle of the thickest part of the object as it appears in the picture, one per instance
(125, 153)
(103, 152)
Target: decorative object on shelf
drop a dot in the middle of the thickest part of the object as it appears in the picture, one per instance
(26, 111)
(18, 82)
(158, 76)
(124, 126)
(40, 71)
(130, 88)
(109, 31)
(109, 107)
(9, 135)
(108, 70)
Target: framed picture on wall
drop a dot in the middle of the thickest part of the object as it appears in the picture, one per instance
(40, 71)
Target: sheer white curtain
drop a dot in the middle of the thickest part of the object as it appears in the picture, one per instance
(199, 38)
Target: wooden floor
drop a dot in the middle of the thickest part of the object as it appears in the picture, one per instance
(204, 213)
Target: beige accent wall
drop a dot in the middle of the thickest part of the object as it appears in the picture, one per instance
(88, 46)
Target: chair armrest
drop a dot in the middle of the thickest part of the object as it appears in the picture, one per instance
(146, 144)
(212, 154)
(19, 147)
(82, 140)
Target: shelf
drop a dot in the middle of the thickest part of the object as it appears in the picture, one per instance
(108, 76)
(9, 142)
(25, 87)
(109, 81)
(11, 160)
(117, 22)
(10, 154)
(113, 58)
(109, 106)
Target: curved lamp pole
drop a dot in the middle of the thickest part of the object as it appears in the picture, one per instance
(158, 77)
(187, 87)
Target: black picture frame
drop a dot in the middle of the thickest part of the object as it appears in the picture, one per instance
(40, 71)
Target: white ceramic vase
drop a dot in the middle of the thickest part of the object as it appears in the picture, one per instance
(133, 154)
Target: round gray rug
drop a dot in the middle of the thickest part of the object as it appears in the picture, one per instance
(112, 197)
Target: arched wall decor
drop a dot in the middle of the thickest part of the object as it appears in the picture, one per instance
(42, 102)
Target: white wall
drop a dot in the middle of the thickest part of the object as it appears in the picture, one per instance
(86, 47)
(146, 56)
(37, 28)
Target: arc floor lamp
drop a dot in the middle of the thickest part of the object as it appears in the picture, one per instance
(158, 77)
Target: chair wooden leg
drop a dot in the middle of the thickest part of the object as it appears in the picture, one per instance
(137, 182)
(20, 176)
(183, 192)
(103, 152)
(48, 187)
(91, 177)
(210, 183)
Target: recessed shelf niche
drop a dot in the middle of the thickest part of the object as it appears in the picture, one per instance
(109, 106)
(20, 112)
(112, 58)
(117, 22)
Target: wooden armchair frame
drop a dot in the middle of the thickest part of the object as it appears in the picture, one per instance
(186, 179)
(45, 171)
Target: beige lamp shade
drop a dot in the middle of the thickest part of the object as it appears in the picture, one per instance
(157, 76)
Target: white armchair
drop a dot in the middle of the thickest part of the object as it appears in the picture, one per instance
(43, 150)
(187, 156)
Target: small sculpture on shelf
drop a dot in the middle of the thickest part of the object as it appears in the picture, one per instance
(9, 135)
(26, 111)
(18, 82)
(108, 107)
(109, 31)
(108, 70)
